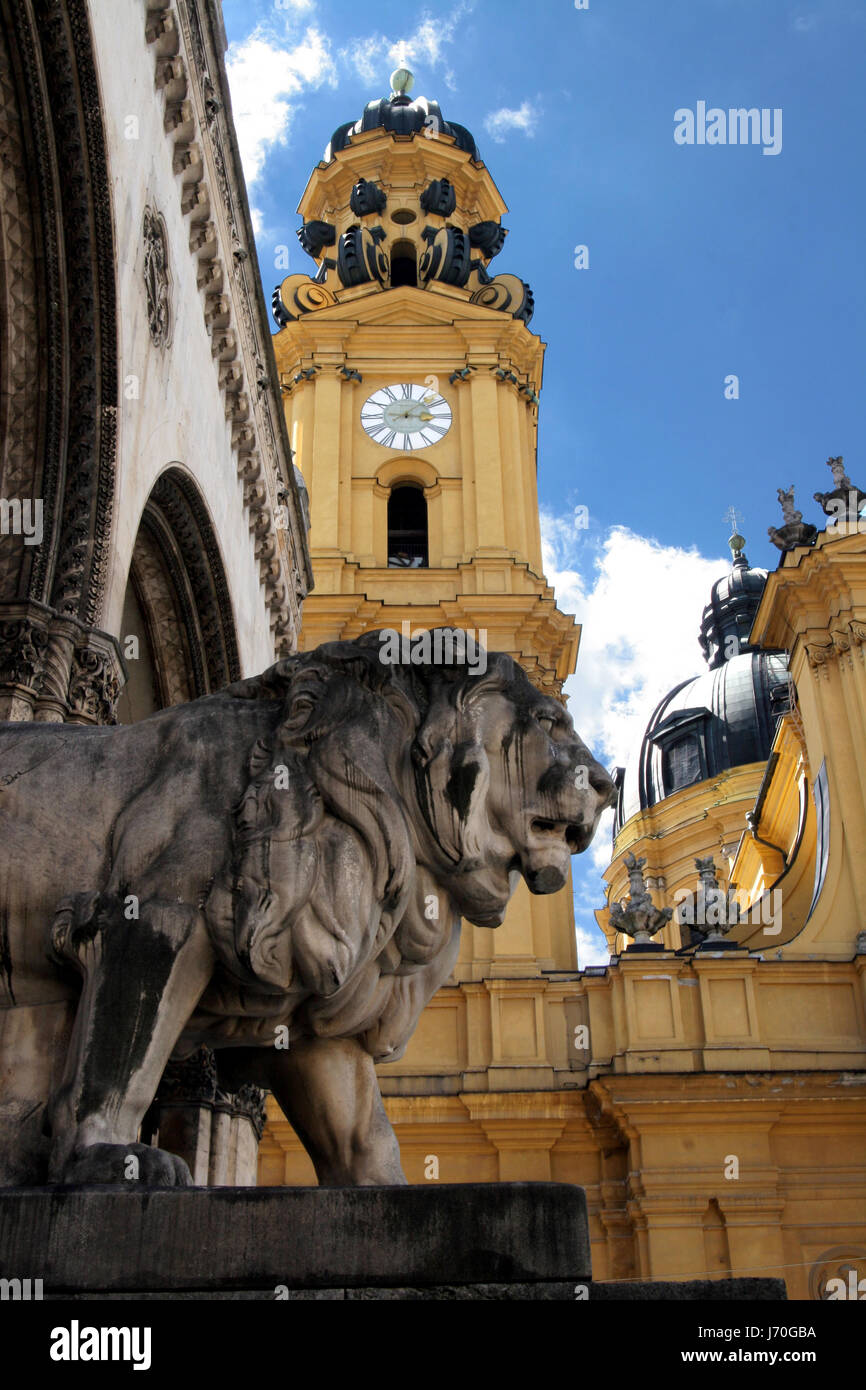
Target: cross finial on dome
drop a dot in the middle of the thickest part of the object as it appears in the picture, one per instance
(735, 540)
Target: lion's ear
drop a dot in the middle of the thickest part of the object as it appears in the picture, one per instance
(438, 730)
(452, 793)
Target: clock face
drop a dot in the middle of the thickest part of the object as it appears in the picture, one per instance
(406, 417)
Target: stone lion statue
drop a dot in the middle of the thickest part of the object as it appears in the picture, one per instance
(293, 853)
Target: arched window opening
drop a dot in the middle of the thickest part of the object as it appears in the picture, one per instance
(404, 265)
(681, 764)
(407, 528)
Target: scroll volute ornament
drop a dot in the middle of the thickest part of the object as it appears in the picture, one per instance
(360, 258)
(447, 258)
(298, 295)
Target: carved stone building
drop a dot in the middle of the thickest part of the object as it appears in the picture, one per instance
(152, 535)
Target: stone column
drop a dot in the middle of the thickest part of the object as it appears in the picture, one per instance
(54, 669)
(215, 1132)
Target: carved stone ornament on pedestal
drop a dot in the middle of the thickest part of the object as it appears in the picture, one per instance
(844, 502)
(795, 530)
(297, 929)
(716, 910)
(639, 918)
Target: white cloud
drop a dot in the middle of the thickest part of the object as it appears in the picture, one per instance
(265, 76)
(640, 606)
(368, 57)
(592, 948)
(523, 118)
(640, 611)
(375, 56)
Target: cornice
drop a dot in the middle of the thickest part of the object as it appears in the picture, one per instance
(395, 161)
(187, 41)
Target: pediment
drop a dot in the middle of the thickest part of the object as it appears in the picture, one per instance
(405, 308)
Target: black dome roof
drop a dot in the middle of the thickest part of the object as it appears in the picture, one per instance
(723, 719)
(405, 117)
(729, 615)
(720, 720)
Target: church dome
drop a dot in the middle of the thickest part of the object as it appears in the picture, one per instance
(734, 601)
(722, 719)
(400, 114)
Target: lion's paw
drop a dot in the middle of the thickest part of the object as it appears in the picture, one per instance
(130, 1165)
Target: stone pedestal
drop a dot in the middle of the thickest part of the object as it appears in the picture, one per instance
(298, 1242)
(485, 1241)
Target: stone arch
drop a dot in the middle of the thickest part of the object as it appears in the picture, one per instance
(68, 300)
(177, 602)
(407, 470)
(59, 373)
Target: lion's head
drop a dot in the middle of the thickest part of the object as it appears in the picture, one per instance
(503, 785)
(460, 769)
(467, 770)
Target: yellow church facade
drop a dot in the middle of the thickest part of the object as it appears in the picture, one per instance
(711, 1102)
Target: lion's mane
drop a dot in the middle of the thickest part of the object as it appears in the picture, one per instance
(346, 721)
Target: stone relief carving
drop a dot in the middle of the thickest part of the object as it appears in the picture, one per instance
(277, 872)
(156, 278)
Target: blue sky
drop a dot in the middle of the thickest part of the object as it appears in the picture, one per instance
(704, 261)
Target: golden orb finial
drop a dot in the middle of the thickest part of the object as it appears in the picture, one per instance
(402, 82)
(735, 541)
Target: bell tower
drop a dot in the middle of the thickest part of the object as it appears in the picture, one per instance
(411, 382)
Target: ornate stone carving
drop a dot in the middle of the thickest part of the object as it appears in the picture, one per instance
(61, 424)
(713, 905)
(249, 1100)
(192, 1079)
(639, 918)
(23, 366)
(195, 119)
(289, 858)
(366, 200)
(795, 530)
(75, 113)
(23, 646)
(93, 686)
(53, 668)
(844, 502)
(820, 653)
(156, 278)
